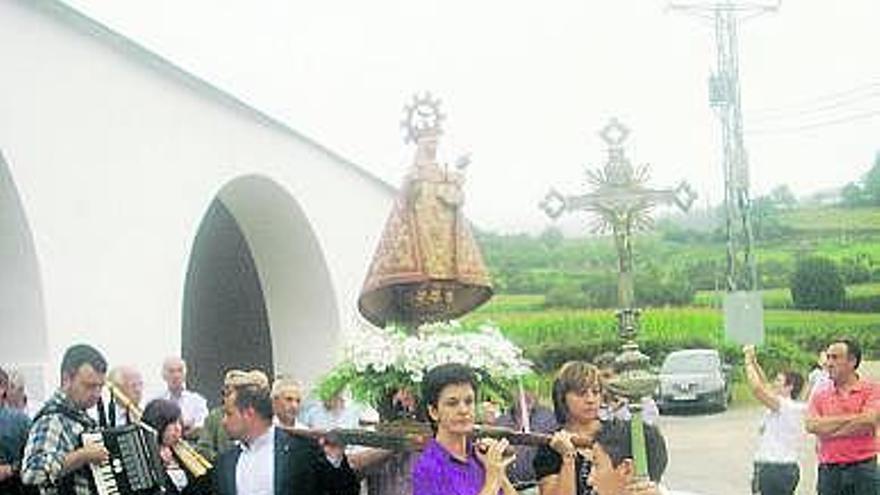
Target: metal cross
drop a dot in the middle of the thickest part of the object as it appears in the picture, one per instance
(621, 200)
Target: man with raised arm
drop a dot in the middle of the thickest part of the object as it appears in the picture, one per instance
(776, 470)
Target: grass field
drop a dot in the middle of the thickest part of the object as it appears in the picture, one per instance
(524, 320)
(792, 335)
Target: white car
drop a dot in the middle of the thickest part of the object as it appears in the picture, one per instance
(694, 378)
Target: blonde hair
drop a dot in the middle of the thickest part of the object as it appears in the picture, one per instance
(255, 378)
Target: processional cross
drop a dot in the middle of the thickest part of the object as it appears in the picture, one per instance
(621, 200)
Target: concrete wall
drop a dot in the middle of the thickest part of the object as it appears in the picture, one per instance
(116, 156)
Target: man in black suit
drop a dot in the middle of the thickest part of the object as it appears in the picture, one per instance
(271, 461)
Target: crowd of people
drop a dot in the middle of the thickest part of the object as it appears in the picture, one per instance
(264, 438)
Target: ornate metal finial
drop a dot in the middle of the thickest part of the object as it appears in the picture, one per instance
(614, 133)
(553, 204)
(618, 170)
(684, 196)
(422, 118)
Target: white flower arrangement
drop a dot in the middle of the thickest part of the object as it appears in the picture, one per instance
(380, 361)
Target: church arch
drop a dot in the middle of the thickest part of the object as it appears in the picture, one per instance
(258, 292)
(22, 311)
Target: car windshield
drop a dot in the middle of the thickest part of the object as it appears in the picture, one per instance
(689, 363)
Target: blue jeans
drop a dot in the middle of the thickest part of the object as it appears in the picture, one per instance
(857, 478)
(776, 479)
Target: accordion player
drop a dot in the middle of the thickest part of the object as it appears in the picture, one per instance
(133, 466)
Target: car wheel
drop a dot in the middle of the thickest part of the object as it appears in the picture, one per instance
(719, 401)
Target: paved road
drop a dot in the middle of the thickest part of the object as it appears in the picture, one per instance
(711, 454)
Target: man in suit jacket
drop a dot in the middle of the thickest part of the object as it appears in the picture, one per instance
(271, 461)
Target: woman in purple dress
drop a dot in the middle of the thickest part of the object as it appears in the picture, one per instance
(450, 463)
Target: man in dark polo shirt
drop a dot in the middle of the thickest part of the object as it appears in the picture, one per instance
(844, 416)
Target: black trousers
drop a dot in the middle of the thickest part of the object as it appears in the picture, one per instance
(857, 478)
(775, 479)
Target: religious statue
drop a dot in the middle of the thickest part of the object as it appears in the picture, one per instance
(427, 266)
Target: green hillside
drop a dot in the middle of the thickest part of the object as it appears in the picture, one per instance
(524, 264)
(555, 296)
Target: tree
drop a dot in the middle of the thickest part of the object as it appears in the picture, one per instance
(866, 192)
(871, 183)
(852, 195)
(782, 197)
(817, 284)
(551, 237)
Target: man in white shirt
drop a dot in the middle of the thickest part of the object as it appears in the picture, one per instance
(782, 429)
(130, 382)
(286, 399)
(193, 406)
(818, 378)
(271, 461)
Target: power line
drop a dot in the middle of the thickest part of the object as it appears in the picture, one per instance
(821, 103)
(815, 125)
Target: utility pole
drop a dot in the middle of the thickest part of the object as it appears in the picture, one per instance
(743, 305)
(724, 98)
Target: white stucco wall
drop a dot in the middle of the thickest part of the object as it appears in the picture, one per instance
(116, 156)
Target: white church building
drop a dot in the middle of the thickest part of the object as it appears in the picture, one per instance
(148, 213)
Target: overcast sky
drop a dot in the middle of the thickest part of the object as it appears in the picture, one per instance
(526, 86)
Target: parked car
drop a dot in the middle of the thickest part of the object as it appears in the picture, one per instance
(694, 378)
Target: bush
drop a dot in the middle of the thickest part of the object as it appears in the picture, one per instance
(868, 337)
(779, 351)
(855, 271)
(657, 289)
(817, 284)
(601, 291)
(704, 273)
(862, 303)
(774, 273)
(566, 296)
(549, 357)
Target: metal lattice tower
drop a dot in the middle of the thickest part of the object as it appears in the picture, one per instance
(724, 97)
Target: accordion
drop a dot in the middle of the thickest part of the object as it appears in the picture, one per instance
(133, 466)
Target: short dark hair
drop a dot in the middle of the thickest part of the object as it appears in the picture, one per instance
(794, 380)
(159, 413)
(77, 355)
(253, 396)
(615, 437)
(574, 376)
(853, 349)
(441, 377)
